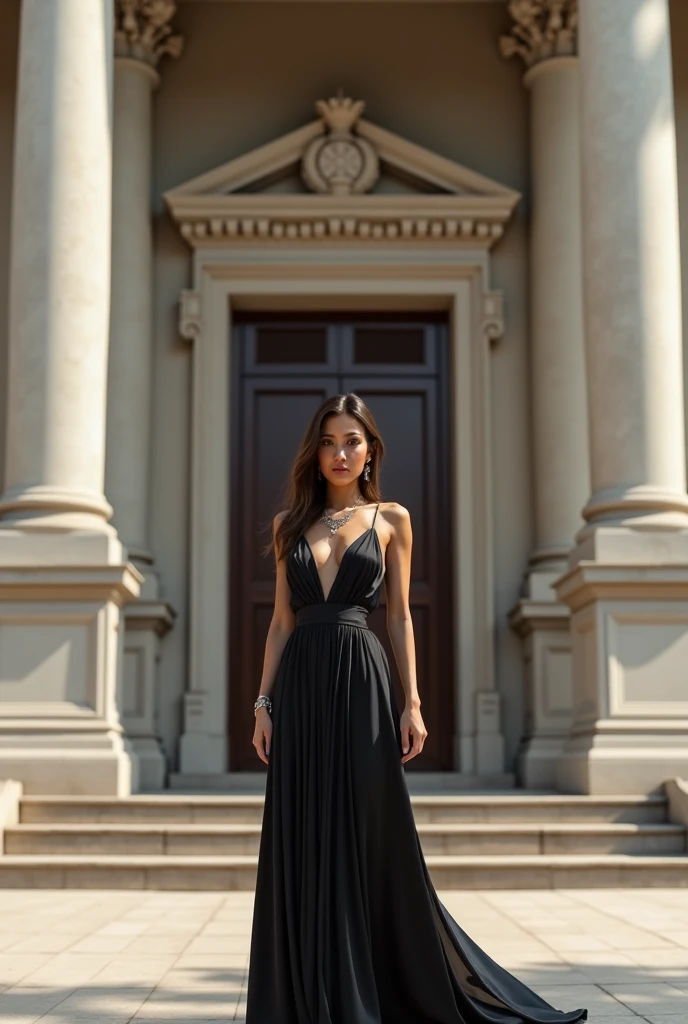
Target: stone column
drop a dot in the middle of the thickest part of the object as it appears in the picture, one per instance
(142, 37)
(627, 587)
(63, 579)
(545, 38)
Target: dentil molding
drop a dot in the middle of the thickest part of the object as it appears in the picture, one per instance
(542, 29)
(340, 158)
(143, 31)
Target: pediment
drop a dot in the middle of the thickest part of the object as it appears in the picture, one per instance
(341, 177)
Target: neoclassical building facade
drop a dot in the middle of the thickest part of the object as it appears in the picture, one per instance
(216, 214)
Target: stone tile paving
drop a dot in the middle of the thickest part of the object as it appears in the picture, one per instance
(81, 957)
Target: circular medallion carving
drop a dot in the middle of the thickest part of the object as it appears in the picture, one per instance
(340, 161)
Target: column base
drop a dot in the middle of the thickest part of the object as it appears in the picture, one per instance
(152, 763)
(49, 508)
(60, 663)
(202, 749)
(64, 763)
(629, 627)
(621, 545)
(147, 619)
(537, 762)
(596, 765)
(480, 751)
(543, 624)
(489, 741)
(676, 791)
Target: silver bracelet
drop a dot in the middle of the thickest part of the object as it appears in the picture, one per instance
(263, 702)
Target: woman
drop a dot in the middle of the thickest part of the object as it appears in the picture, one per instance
(347, 926)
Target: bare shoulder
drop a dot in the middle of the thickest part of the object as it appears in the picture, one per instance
(278, 518)
(396, 516)
(275, 527)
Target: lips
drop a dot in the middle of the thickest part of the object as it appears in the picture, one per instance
(340, 469)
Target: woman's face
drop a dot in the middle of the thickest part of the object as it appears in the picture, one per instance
(343, 449)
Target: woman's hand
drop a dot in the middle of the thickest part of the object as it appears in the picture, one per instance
(413, 733)
(262, 736)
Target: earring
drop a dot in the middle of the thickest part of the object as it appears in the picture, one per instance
(366, 471)
(319, 474)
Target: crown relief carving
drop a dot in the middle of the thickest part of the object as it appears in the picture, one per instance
(542, 29)
(340, 163)
(143, 31)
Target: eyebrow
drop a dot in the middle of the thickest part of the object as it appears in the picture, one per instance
(357, 432)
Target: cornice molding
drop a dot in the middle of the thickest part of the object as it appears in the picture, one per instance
(204, 220)
(542, 29)
(143, 31)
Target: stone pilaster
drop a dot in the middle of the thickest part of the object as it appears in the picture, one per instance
(627, 586)
(544, 36)
(63, 573)
(143, 36)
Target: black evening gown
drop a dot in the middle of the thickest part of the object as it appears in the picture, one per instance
(347, 926)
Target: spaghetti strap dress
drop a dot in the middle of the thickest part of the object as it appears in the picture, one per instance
(347, 926)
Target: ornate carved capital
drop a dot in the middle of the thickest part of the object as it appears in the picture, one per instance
(142, 30)
(542, 29)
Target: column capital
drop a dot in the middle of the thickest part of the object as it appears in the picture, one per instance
(542, 29)
(143, 31)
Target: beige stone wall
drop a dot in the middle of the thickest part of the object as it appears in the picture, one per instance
(430, 72)
(9, 30)
(249, 73)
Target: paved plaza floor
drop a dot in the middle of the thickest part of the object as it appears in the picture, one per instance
(77, 957)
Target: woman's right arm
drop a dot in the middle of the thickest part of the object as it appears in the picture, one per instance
(281, 625)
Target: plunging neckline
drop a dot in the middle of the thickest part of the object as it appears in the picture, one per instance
(339, 567)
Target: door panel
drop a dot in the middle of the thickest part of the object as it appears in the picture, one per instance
(406, 413)
(292, 347)
(283, 369)
(403, 349)
(274, 414)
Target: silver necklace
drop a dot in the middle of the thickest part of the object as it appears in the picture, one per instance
(334, 524)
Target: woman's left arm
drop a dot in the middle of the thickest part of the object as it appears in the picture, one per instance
(400, 626)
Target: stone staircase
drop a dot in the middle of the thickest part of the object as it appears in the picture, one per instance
(477, 840)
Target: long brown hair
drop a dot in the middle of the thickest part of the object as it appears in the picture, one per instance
(304, 495)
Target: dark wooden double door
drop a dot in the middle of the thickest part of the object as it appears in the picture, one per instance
(283, 368)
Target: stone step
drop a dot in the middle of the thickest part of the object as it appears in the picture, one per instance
(551, 839)
(239, 872)
(524, 809)
(437, 838)
(248, 809)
